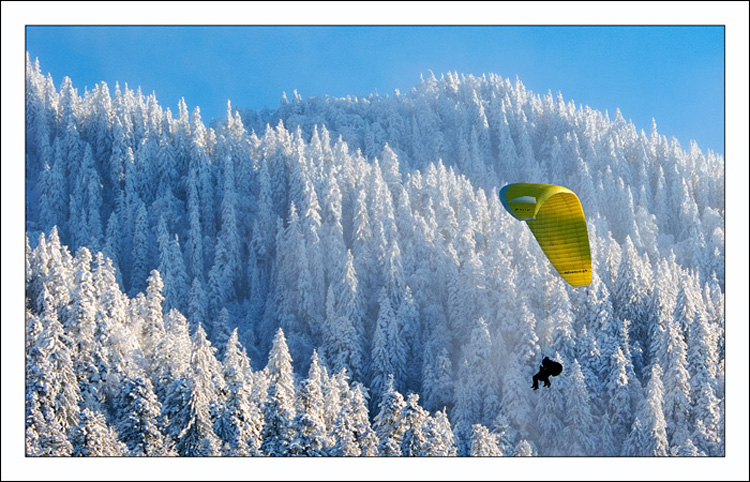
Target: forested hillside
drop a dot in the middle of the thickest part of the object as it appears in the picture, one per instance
(338, 277)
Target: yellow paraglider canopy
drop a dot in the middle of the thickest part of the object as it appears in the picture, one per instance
(555, 217)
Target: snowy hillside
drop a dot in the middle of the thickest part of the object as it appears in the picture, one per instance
(338, 277)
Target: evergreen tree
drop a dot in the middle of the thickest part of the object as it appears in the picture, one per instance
(524, 449)
(676, 388)
(153, 327)
(82, 327)
(187, 419)
(221, 332)
(351, 430)
(171, 359)
(344, 330)
(414, 419)
(619, 411)
(63, 393)
(224, 278)
(139, 423)
(309, 423)
(578, 432)
(140, 254)
(191, 402)
(705, 405)
(238, 425)
(440, 439)
(484, 443)
(92, 437)
(52, 189)
(389, 425)
(197, 303)
(278, 409)
(172, 267)
(382, 357)
(653, 416)
(636, 443)
(45, 435)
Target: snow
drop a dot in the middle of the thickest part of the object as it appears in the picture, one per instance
(338, 277)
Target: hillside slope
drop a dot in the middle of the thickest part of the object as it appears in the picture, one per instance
(369, 230)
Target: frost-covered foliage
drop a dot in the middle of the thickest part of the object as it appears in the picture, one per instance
(358, 245)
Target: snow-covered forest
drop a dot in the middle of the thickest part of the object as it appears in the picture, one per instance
(338, 277)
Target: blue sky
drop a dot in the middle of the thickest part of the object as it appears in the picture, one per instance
(673, 74)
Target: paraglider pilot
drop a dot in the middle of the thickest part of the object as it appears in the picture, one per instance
(548, 368)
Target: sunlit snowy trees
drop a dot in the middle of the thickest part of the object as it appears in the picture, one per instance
(358, 246)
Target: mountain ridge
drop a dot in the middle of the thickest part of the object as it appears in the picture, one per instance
(346, 226)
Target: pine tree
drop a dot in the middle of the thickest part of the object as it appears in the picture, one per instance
(206, 370)
(238, 425)
(197, 303)
(705, 405)
(484, 443)
(224, 278)
(190, 402)
(172, 268)
(653, 416)
(139, 420)
(344, 330)
(153, 327)
(411, 333)
(578, 432)
(619, 411)
(187, 419)
(389, 425)
(171, 359)
(221, 330)
(352, 431)
(636, 443)
(140, 254)
(63, 394)
(440, 439)
(506, 435)
(278, 409)
(195, 254)
(524, 449)
(92, 437)
(82, 327)
(676, 388)
(44, 433)
(414, 419)
(382, 358)
(437, 369)
(309, 423)
(52, 189)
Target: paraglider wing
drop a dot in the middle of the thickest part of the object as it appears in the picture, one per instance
(555, 217)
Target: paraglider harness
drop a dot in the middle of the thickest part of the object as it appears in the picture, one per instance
(548, 368)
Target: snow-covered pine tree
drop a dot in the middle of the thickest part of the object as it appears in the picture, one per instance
(238, 424)
(278, 408)
(92, 437)
(484, 443)
(440, 440)
(139, 426)
(191, 402)
(578, 419)
(389, 425)
(309, 423)
(414, 418)
(654, 426)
